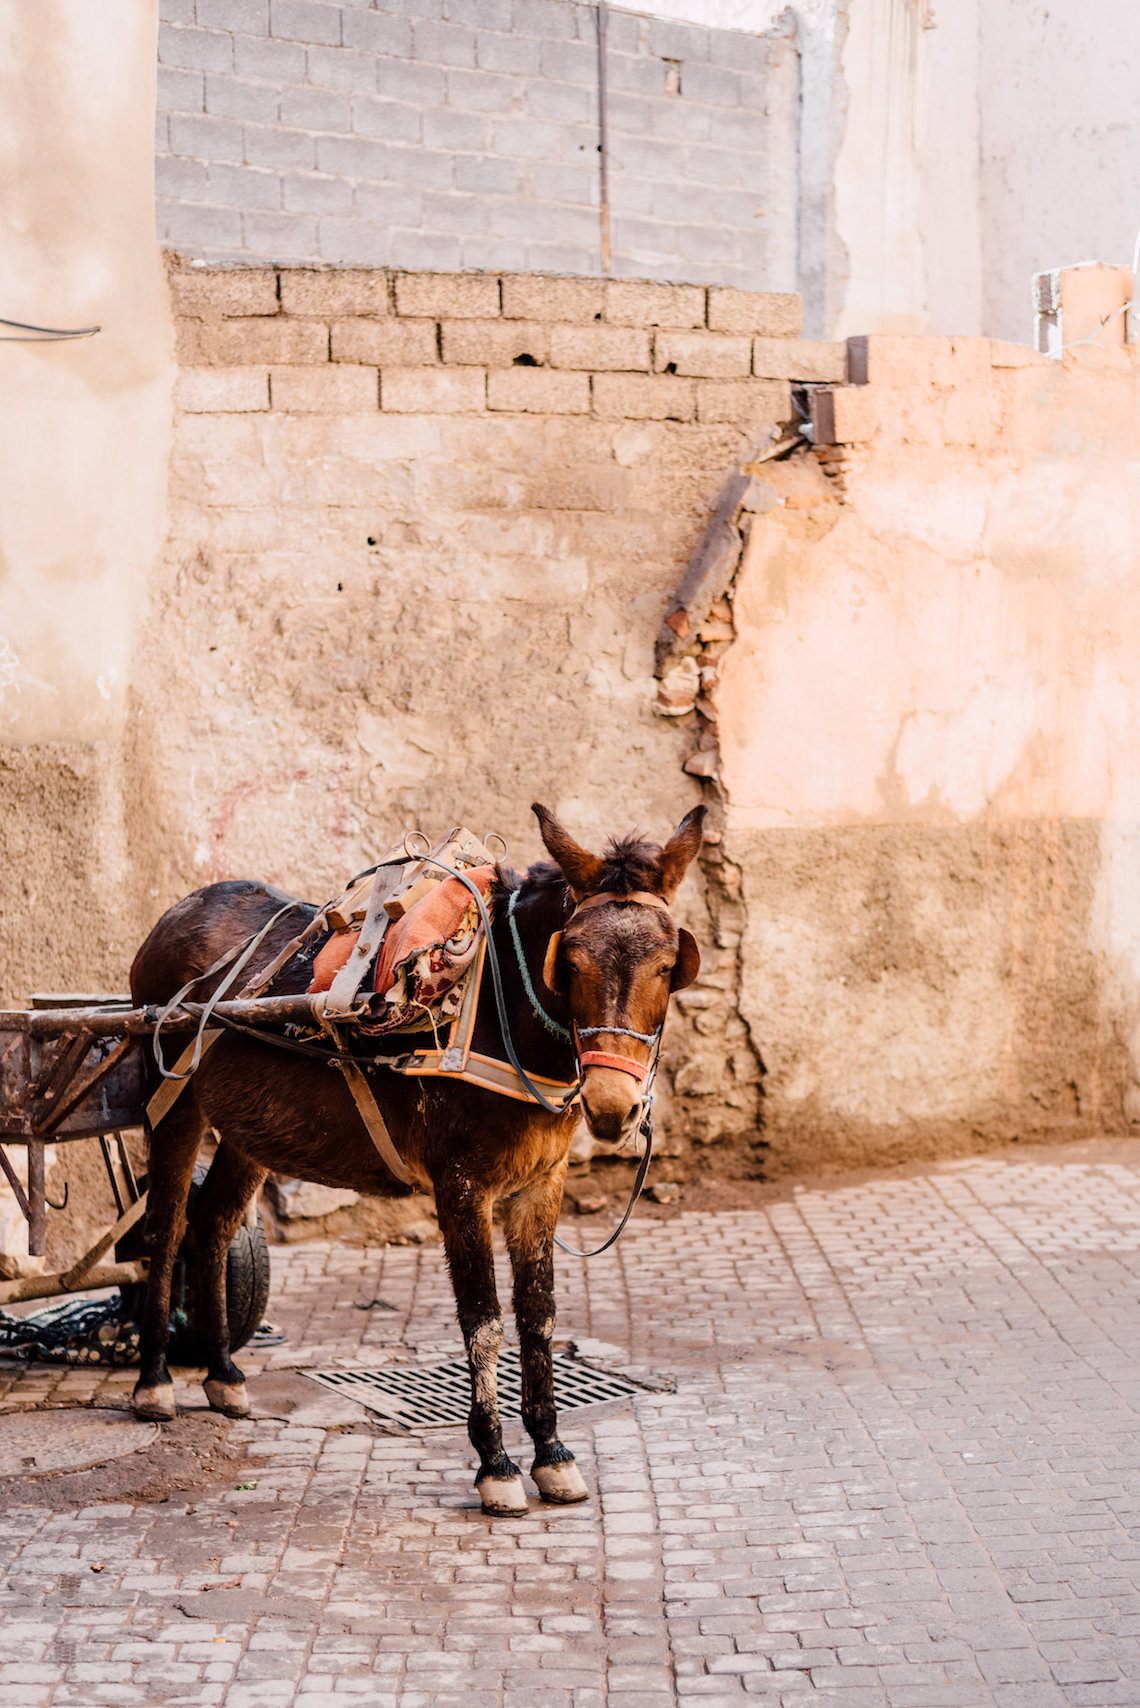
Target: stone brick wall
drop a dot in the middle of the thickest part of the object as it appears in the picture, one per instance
(351, 340)
(467, 138)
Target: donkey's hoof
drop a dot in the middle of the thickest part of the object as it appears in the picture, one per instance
(562, 1485)
(230, 1398)
(502, 1497)
(156, 1405)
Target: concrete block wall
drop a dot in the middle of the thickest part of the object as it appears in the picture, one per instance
(463, 134)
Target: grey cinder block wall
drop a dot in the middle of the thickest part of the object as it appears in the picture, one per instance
(463, 134)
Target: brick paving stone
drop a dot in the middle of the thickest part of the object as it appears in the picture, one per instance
(897, 1468)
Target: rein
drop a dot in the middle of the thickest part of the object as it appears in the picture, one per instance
(644, 1073)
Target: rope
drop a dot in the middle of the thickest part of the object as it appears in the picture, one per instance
(619, 1032)
(539, 1012)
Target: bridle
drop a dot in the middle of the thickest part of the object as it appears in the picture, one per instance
(640, 1071)
(643, 1072)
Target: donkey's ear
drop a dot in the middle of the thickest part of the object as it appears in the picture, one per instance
(551, 975)
(688, 962)
(680, 850)
(583, 871)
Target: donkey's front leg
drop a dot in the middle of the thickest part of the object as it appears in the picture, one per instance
(531, 1218)
(172, 1152)
(465, 1222)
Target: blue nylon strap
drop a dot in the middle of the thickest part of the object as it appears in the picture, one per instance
(539, 1012)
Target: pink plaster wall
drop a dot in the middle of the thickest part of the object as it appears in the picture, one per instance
(964, 640)
(929, 729)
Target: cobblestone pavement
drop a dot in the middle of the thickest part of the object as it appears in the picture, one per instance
(901, 1466)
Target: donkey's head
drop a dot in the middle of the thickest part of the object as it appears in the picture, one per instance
(618, 959)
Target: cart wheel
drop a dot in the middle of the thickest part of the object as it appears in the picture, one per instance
(247, 1285)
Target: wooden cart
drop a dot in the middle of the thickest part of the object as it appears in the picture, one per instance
(67, 1072)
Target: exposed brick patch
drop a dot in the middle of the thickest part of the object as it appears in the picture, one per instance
(435, 337)
(535, 392)
(447, 296)
(385, 341)
(702, 355)
(420, 391)
(644, 397)
(639, 302)
(806, 359)
(601, 348)
(772, 314)
(333, 390)
(222, 391)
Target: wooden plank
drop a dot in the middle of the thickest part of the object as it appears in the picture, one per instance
(52, 1286)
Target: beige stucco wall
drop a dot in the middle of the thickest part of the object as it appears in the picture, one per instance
(405, 582)
(928, 728)
(84, 442)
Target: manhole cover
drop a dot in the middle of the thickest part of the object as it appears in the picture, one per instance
(68, 1440)
(438, 1396)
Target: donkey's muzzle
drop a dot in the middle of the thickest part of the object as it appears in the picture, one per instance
(611, 1104)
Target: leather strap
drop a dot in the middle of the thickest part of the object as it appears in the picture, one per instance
(374, 1121)
(643, 897)
(623, 1064)
(485, 1072)
(171, 1090)
(342, 993)
(602, 1058)
(454, 1058)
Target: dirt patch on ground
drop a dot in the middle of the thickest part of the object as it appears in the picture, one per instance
(190, 1453)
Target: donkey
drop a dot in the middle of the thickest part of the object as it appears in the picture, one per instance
(610, 972)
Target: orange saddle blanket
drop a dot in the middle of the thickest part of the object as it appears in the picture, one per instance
(423, 958)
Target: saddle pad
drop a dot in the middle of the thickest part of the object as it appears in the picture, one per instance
(429, 925)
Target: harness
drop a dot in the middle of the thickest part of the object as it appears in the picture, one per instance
(454, 1060)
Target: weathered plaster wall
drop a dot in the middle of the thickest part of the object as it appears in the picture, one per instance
(84, 439)
(928, 738)
(422, 530)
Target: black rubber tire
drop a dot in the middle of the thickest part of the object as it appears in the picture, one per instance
(247, 1284)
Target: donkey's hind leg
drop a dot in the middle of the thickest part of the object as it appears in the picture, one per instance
(531, 1217)
(465, 1221)
(226, 1192)
(172, 1150)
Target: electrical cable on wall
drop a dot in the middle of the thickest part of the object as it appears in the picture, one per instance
(44, 334)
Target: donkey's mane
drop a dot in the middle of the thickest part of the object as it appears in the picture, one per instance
(631, 863)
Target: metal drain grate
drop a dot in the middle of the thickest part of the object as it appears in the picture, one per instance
(438, 1396)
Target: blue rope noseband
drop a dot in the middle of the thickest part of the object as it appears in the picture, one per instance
(619, 1032)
